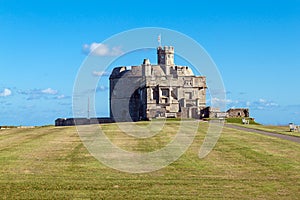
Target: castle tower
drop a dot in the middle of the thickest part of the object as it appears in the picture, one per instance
(165, 56)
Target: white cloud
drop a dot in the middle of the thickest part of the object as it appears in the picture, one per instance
(6, 92)
(227, 101)
(99, 49)
(248, 103)
(49, 91)
(101, 88)
(100, 73)
(263, 104)
(39, 93)
(260, 104)
(61, 97)
(262, 101)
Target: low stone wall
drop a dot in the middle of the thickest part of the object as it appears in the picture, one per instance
(82, 121)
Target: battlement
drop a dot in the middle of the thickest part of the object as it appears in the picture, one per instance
(166, 49)
(165, 56)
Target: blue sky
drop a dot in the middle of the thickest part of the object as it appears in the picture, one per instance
(255, 45)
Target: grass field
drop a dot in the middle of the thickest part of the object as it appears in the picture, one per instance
(52, 163)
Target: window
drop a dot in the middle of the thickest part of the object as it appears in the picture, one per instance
(165, 92)
(155, 93)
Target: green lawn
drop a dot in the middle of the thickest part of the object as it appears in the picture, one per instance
(52, 163)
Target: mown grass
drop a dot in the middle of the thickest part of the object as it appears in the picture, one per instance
(52, 163)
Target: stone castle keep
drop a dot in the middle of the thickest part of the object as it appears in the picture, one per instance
(162, 90)
(156, 90)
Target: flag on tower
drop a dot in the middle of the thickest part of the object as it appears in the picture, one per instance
(159, 39)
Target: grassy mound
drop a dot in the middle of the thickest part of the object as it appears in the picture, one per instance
(238, 120)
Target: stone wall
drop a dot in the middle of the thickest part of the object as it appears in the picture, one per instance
(81, 121)
(238, 112)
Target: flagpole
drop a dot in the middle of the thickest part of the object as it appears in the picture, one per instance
(159, 40)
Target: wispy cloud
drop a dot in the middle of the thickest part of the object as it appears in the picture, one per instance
(100, 73)
(263, 104)
(62, 96)
(65, 103)
(101, 88)
(218, 101)
(6, 92)
(47, 93)
(100, 49)
(260, 104)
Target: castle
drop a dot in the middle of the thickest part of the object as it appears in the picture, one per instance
(156, 90)
(162, 90)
